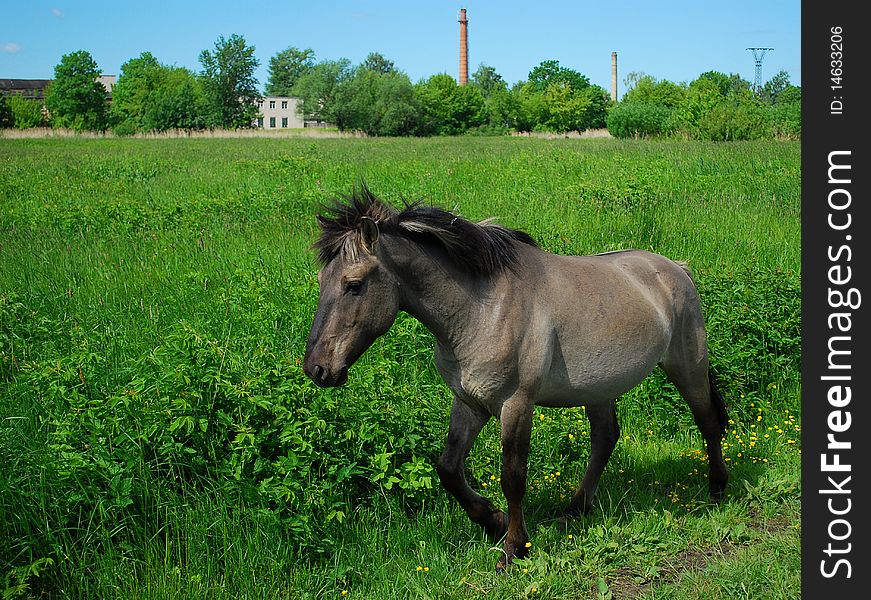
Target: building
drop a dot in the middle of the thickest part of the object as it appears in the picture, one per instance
(34, 89)
(280, 112)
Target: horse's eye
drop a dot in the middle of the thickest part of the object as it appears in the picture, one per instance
(354, 287)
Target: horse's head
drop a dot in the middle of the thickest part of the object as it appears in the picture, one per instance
(359, 300)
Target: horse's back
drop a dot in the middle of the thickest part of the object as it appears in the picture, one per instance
(608, 320)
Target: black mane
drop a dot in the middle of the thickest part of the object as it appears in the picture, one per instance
(479, 248)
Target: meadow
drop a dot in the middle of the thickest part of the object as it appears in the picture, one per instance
(158, 438)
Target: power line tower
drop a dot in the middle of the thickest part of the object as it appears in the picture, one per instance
(758, 55)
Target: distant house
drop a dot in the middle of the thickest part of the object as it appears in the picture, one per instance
(35, 88)
(280, 112)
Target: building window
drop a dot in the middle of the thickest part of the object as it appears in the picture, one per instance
(284, 104)
(260, 122)
(272, 104)
(272, 122)
(284, 121)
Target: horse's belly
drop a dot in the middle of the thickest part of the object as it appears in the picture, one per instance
(595, 379)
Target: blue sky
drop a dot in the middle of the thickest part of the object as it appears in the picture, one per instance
(675, 40)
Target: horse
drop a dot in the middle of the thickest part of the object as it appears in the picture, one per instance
(515, 327)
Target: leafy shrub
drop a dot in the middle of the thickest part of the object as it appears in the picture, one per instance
(784, 120)
(25, 112)
(638, 119)
(728, 122)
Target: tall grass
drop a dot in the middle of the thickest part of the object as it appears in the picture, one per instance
(158, 439)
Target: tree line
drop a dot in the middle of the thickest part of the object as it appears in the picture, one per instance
(379, 99)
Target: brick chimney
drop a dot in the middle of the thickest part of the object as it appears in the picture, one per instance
(614, 76)
(464, 47)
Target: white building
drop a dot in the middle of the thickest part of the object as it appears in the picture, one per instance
(280, 112)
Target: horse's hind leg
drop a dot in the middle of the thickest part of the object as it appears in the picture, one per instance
(604, 433)
(466, 424)
(697, 387)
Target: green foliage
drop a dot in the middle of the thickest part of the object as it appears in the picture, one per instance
(714, 107)
(25, 113)
(285, 69)
(730, 122)
(179, 104)
(639, 119)
(784, 120)
(229, 85)
(318, 89)
(376, 63)
(75, 98)
(549, 72)
(153, 97)
(6, 118)
(649, 90)
(378, 101)
(448, 108)
(488, 81)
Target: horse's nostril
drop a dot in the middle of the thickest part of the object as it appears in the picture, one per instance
(318, 372)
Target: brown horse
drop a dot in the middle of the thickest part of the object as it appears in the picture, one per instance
(515, 326)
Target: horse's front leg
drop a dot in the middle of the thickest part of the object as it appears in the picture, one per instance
(516, 420)
(466, 424)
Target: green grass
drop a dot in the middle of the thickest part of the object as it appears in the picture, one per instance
(158, 439)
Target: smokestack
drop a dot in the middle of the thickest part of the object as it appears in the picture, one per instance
(614, 76)
(464, 47)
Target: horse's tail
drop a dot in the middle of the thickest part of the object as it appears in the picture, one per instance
(686, 269)
(718, 403)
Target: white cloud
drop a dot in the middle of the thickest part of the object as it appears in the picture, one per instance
(11, 48)
(57, 12)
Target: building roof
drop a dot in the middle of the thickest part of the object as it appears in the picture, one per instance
(20, 85)
(35, 88)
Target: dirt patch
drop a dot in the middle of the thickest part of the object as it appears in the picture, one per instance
(626, 584)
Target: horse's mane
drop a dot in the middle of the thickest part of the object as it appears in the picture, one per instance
(480, 248)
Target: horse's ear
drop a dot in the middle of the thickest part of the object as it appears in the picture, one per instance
(369, 232)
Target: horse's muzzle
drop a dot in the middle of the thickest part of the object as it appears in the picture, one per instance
(324, 377)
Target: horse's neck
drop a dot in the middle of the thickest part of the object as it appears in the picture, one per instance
(440, 295)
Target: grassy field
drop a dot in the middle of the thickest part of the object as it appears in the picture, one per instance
(159, 440)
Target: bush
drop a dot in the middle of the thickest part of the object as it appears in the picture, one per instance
(728, 122)
(784, 121)
(25, 113)
(5, 113)
(639, 119)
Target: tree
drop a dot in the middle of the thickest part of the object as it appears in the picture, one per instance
(285, 69)
(648, 90)
(377, 103)
(318, 88)
(150, 96)
(550, 72)
(720, 80)
(376, 63)
(229, 85)
(448, 108)
(178, 103)
(75, 98)
(138, 78)
(775, 86)
(632, 79)
(488, 80)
